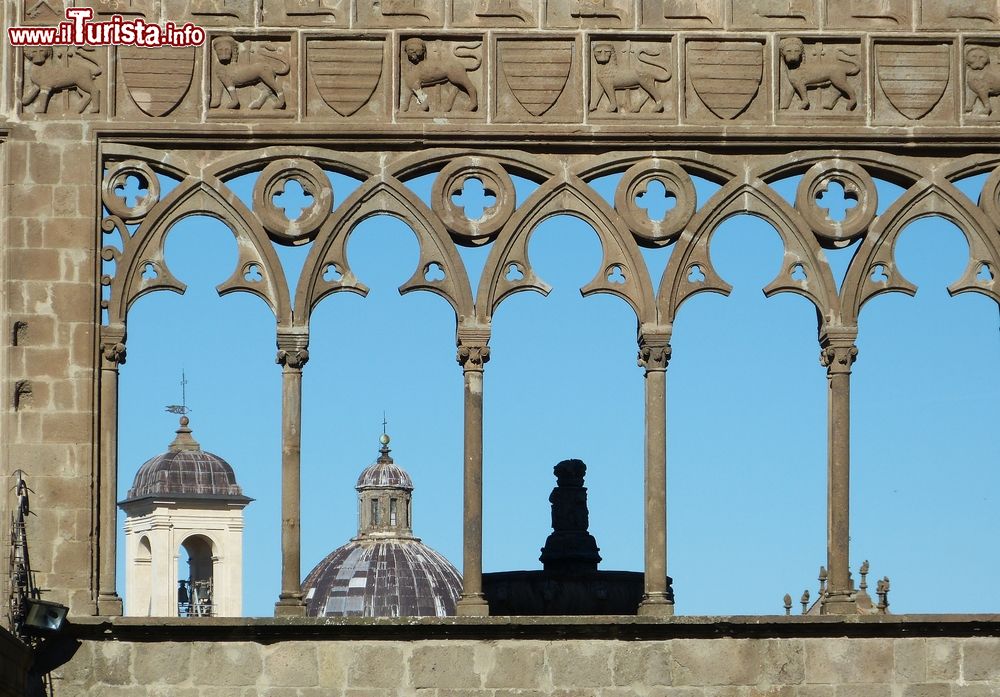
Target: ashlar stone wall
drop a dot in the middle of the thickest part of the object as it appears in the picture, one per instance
(699, 667)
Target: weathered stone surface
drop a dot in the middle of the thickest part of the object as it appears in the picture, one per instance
(579, 664)
(642, 664)
(910, 660)
(376, 665)
(443, 666)
(292, 664)
(834, 661)
(518, 666)
(226, 665)
(981, 659)
(161, 666)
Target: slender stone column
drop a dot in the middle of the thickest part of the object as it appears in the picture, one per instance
(292, 356)
(473, 353)
(838, 355)
(109, 603)
(654, 354)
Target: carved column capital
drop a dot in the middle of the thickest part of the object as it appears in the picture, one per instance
(113, 346)
(838, 358)
(473, 348)
(473, 358)
(654, 351)
(114, 352)
(293, 351)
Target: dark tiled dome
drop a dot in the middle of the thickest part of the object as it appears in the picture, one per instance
(185, 470)
(382, 578)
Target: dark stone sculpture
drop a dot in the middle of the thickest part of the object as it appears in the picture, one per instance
(570, 583)
(570, 547)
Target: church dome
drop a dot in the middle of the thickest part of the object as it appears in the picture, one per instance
(385, 571)
(186, 471)
(382, 578)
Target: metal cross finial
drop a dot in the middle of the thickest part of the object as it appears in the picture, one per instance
(384, 422)
(181, 408)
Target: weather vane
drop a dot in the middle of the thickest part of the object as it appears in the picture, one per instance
(181, 408)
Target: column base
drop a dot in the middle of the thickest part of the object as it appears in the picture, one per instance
(290, 606)
(472, 605)
(656, 605)
(110, 606)
(838, 603)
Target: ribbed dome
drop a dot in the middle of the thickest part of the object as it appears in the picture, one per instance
(382, 578)
(185, 470)
(384, 472)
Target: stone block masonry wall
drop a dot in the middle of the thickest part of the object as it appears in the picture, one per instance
(50, 285)
(317, 666)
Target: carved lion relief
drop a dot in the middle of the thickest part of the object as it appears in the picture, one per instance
(63, 79)
(631, 77)
(982, 81)
(440, 77)
(251, 76)
(821, 77)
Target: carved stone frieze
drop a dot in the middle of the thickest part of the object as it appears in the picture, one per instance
(64, 80)
(42, 12)
(538, 80)
(681, 14)
(726, 80)
(775, 14)
(867, 15)
(495, 13)
(400, 13)
(631, 78)
(441, 77)
(982, 82)
(307, 13)
(604, 14)
(157, 82)
(349, 76)
(212, 13)
(821, 76)
(252, 75)
(914, 81)
(983, 15)
(104, 9)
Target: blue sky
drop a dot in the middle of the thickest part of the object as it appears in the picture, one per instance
(746, 421)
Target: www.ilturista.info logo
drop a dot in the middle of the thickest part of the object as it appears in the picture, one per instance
(79, 30)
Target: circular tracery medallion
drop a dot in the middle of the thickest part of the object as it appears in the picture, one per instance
(451, 182)
(273, 181)
(115, 190)
(858, 187)
(634, 185)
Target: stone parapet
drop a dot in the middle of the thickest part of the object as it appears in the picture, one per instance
(949, 656)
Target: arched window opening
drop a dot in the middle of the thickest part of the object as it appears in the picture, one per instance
(924, 463)
(196, 578)
(746, 405)
(223, 350)
(562, 383)
(139, 594)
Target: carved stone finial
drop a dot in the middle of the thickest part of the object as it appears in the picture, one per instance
(805, 601)
(788, 604)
